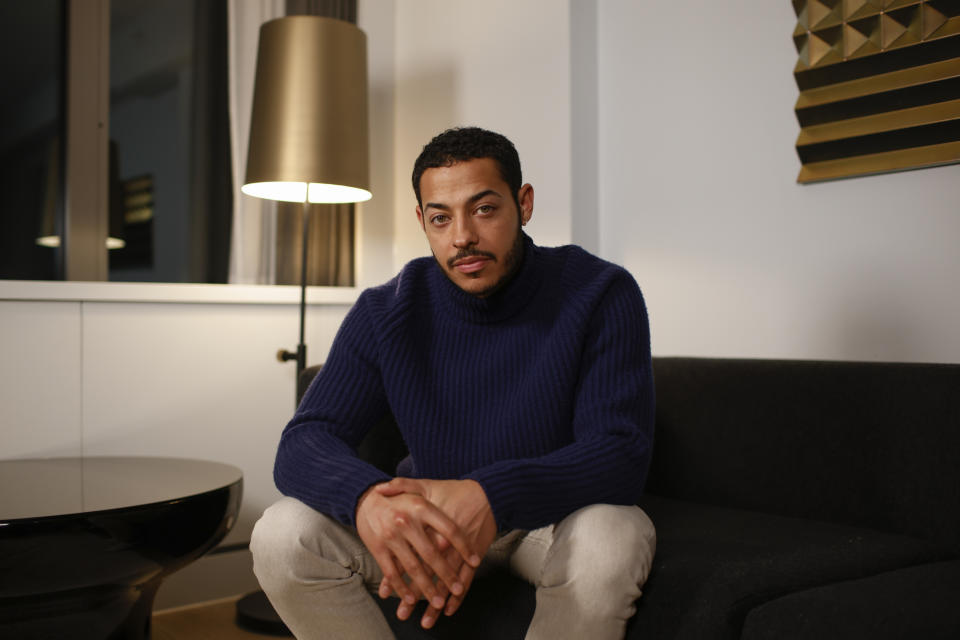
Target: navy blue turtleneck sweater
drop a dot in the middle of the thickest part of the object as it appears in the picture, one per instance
(541, 392)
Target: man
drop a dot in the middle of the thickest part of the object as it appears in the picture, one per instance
(520, 379)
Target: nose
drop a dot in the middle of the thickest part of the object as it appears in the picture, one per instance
(464, 233)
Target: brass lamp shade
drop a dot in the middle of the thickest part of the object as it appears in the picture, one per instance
(308, 129)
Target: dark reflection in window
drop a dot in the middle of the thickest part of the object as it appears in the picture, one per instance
(31, 65)
(169, 123)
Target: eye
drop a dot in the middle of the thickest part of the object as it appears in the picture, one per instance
(438, 219)
(485, 209)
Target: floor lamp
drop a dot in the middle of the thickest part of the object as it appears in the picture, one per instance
(309, 144)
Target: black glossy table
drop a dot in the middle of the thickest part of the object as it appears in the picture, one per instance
(86, 542)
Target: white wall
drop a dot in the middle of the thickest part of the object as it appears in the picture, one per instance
(584, 126)
(699, 200)
(375, 218)
(497, 64)
(40, 382)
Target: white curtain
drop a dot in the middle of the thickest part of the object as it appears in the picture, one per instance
(253, 238)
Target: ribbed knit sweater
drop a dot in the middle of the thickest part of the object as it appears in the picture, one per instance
(541, 392)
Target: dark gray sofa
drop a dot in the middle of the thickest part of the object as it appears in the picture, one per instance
(792, 499)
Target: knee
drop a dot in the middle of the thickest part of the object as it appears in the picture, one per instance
(286, 532)
(605, 528)
(606, 547)
(273, 532)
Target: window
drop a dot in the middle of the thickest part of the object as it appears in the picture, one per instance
(115, 148)
(31, 55)
(150, 194)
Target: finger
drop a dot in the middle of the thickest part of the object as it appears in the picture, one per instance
(438, 564)
(430, 617)
(467, 574)
(385, 590)
(431, 560)
(432, 613)
(387, 490)
(421, 578)
(399, 485)
(453, 603)
(465, 571)
(454, 535)
(404, 610)
(441, 543)
(402, 533)
(393, 577)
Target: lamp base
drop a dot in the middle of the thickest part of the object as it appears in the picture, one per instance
(255, 613)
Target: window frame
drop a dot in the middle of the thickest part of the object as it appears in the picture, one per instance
(86, 140)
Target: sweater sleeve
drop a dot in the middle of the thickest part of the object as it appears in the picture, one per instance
(316, 460)
(613, 416)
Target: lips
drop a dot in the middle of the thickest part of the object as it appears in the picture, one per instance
(471, 264)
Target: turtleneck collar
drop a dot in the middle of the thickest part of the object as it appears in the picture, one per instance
(511, 298)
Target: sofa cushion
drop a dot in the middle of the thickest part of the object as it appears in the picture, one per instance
(713, 565)
(916, 602)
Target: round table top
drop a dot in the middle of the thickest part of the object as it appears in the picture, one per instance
(50, 487)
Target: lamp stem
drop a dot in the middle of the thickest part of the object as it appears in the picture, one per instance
(302, 347)
(301, 355)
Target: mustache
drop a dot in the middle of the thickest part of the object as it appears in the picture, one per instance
(467, 253)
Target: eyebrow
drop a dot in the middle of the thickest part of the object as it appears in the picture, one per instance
(470, 200)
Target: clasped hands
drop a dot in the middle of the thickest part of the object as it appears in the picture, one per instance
(433, 531)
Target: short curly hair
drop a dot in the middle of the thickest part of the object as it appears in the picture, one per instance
(468, 143)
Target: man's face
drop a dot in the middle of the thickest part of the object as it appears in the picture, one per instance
(472, 223)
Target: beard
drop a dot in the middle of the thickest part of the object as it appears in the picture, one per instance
(511, 262)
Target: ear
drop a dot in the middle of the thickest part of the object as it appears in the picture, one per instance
(420, 218)
(525, 196)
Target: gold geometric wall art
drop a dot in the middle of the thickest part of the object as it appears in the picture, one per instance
(879, 86)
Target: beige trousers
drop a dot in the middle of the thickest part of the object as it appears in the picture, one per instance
(588, 571)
